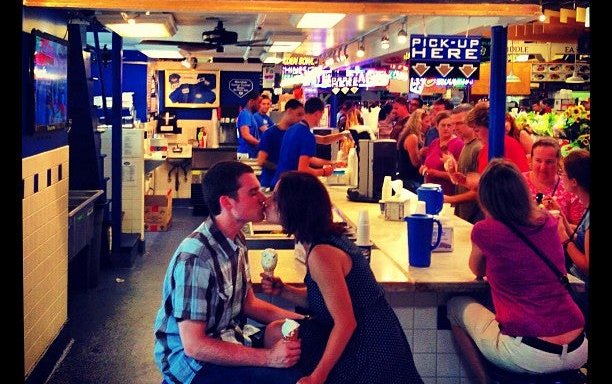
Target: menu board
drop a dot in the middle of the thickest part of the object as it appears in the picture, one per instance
(544, 72)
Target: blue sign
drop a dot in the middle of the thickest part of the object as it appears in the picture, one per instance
(445, 48)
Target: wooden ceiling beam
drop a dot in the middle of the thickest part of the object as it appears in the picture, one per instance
(567, 14)
(282, 6)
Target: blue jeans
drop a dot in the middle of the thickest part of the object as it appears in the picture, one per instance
(220, 374)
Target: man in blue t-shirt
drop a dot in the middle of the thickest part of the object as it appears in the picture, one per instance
(261, 116)
(248, 132)
(272, 138)
(298, 148)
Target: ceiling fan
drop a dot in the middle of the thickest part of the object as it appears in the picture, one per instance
(215, 39)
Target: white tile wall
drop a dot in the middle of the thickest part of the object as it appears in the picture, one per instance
(45, 251)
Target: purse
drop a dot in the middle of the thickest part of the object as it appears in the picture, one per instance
(578, 297)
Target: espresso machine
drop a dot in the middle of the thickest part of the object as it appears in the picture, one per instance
(377, 159)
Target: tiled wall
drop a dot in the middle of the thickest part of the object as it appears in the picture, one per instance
(435, 355)
(45, 250)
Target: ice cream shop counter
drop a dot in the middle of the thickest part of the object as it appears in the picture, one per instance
(418, 295)
(449, 271)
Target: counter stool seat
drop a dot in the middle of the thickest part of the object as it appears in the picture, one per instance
(499, 375)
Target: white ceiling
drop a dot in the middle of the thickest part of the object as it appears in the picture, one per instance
(250, 26)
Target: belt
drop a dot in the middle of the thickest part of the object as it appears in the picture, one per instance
(546, 346)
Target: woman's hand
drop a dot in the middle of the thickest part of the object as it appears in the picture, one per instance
(550, 203)
(271, 285)
(309, 380)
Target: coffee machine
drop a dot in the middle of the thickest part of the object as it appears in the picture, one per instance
(377, 159)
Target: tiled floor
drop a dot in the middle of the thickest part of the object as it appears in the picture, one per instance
(112, 324)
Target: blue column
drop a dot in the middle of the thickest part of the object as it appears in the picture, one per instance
(497, 91)
(334, 107)
(116, 139)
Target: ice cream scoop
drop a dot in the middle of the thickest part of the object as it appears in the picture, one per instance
(290, 329)
(269, 258)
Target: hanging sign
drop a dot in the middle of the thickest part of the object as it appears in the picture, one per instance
(351, 78)
(445, 48)
(240, 87)
(445, 56)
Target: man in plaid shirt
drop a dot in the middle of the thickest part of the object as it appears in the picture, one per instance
(201, 334)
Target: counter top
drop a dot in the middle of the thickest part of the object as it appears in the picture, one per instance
(449, 271)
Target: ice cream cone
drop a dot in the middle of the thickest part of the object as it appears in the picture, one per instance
(290, 330)
(269, 258)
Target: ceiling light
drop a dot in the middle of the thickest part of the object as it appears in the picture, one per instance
(160, 53)
(402, 35)
(284, 46)
(574, 78)
(320, 20)
(384, 42)
(143, 26)
(542, 17)
(361, 49)
(271, 58)
(190, 62)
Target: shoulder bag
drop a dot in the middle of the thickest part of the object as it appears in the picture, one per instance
(576, 296)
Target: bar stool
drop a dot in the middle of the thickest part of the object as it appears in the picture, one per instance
(499, 375)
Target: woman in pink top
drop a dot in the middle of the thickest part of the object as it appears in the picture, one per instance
(536, 326)
(446, 146)
(546, 185)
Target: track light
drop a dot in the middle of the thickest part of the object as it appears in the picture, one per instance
(384, 42)
(575, 78)
(342, 56)
(190, 62)
(402, 35)
(542, 17)
(361, 49)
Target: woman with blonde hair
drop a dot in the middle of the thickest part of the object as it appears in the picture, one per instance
(409, 143)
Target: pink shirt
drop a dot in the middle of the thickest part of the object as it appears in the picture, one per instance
(569, 203)
(528, 298)
(434, 160)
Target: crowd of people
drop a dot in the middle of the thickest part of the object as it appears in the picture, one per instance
(348, 331)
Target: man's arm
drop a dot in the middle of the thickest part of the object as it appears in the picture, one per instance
(332, 138)
(461, 197)
(265, 312)
(202, 347)
(262, 160)
(304, 163)
(246, 134)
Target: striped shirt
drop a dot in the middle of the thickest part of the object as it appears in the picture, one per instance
(206, 280)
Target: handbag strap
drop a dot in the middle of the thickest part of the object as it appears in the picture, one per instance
(562, 278)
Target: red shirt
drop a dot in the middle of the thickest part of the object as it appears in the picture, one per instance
(513, 151)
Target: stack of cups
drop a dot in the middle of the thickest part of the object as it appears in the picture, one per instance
(363, 234)
(420, 208)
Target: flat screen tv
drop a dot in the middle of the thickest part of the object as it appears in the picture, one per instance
(50, 82)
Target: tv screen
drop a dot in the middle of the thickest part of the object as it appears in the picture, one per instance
(50, 82)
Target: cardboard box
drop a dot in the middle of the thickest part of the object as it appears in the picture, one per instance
(158, 212)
